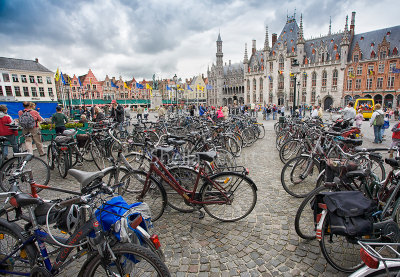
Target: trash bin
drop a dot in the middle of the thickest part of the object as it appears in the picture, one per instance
(281, 119)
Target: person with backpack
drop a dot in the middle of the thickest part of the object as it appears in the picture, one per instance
(59, 119)
(377, 120)
(29, 121)
(6, 131)
(117, 112)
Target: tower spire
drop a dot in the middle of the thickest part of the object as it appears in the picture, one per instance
(300, 37)
(345, 38)
(266, 43)
(330, 25)
(246, 59)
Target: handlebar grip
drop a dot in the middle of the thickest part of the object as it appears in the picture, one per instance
(75, 200)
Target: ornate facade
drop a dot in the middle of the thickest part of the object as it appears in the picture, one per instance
(225, 81)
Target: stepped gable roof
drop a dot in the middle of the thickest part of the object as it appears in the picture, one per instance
(233, 67)
(19, 64)
(327, 42)
(288, 36)
(365, 41)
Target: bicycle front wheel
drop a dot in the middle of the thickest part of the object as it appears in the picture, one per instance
(155, 196)
(131, 259)
(240, 191)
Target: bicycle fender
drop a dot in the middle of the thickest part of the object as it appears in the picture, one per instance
(237, 174)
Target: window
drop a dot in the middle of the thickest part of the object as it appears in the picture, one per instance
(390, 83)
(41, 92)
(379, 83)
(359, 70)
(350, 72)
(26, 91)
(381, 68)
(271, 66)
(324, 77)
(291, 95)
(34, 92)
(1, 91)
(94, 86)
(291, 82)
(382, 54)
(349, 84)
(271, 84)
(281, 81)
(261, 84)
(314, 79)
(31, 79)
(369, 83)
(248, 85)
(313, 93)
(334, 78)
(6, 77)
(50, 91)
(9, 91)
(23, 78)
(358, 84)
(355, 58)
(17, 91)
(392, 66)
(88, 86)
(39, 79)
(304, 80)
(281, 63)
(15, 78)
(254, 85)
(73, 89)
(48, 79)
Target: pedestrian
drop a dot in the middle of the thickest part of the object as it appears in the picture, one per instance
(320, 114)
(385, 126)
(117, 112)
(359, 119)
(283, 110)
(161, 112)
(377, 120)
(395, 138)
(146, 113)
(29, 121)
(396, 114)
(59, 119)
(139, 112)
(264, 112)
(225, 111)
(6, 131)
(220, 114)
(202, 110)
(274, 112)
(127, 114)
(268, 111)
(314, 113)
(191, 110)
(98, 114)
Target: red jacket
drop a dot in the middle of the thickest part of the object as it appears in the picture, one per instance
(5, 130)
(396, 135)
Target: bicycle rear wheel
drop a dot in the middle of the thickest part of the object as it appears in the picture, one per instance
(155, 195)
(63, 161)
(133, 259)
(240, 190)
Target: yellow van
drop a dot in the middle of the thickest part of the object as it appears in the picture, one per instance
(366, 105)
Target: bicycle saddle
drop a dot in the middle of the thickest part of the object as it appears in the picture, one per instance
(84, 177)
(175, 142)
(357, 142)
(161, 151)
(392, 162)
(357, 173)
(207, 156)
(24, 199)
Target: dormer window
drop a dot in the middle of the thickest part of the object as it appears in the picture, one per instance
(335, 47)
(372, 54)
(362, 38)
(382, 54)
(395, 52)
(355, 58)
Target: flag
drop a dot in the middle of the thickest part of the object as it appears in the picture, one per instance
(57, 77)
(179, 87)
(351, 75)
(371, 72)
(395, 70)
(280, 72)
(126, 86)
(269, 77)
(80, 84)
(148, 87)
(62, 79)
(305, 74)
(200, 88)
(208, 86)
(168, 88)
(114, 85)
(291, 74)
(139, 86)
(189, 88)
(90, 80)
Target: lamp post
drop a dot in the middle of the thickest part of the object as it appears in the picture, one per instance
(295, 64)
(175, 78)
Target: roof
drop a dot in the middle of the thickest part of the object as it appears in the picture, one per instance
(219, 37)
(288, 36)
(365, 41)
(233, 67)
(18, 64)
(326, 43)
(257, 57)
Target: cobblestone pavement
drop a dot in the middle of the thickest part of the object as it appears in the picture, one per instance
(262, 244)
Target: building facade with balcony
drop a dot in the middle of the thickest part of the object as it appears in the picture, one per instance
(373, 68)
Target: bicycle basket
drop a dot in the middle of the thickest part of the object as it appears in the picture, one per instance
(339, 168)
(62, 139)
(81, 139)
(119, 213)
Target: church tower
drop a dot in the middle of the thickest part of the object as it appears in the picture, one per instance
(300, 42)
(220, 70)
(344, 45)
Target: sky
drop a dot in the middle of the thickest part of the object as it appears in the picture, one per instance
(139, 38)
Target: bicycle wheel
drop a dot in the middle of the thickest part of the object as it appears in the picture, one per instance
(341, 252)
(22, 260)
(63, 163)
(289, 150)
(261, 130)
(40, 172)
(155, 195)
(299, 176)
(50, 157)
(377, 167)
(132, 259)
(304, 222)
(98, 156)
(230, 144)
(241, 191)
(85, 151)
(138, 161)
(186, 177)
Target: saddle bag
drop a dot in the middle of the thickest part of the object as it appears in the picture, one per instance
(81, 139)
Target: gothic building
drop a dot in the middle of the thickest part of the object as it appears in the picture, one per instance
(225, 81)
(313, 68)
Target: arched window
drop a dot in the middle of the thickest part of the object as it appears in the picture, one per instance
(304, 80)
(248, 85)
(261, 84)
(281, 81)
(254, 85)
(395, 51)
(281, 63)
(334, 78)
(324, 77)
(271, 84)
(313, 93)
(314, 79)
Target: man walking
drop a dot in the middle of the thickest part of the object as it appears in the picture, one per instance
(139, 111)
(59, 119)
(29, 121)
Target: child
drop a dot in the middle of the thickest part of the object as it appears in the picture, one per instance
(359, 119)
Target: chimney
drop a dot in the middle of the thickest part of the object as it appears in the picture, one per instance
(253, 49)
(36, 60)
(202, 75)
(229, 62)
(274, 38)
(352, 22)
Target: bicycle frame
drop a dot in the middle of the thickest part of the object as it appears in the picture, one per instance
(159, 169)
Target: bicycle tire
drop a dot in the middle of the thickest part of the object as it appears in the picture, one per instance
(128, 256)
(138, 161)
(296, 180)
(289, 150)
(13, 237)
(230, 144)
(261, 129)
(331, 245)
(304, 230)
(50, 157)
(155, 196)
(226, 212)
(39, 168)
(100, 161)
